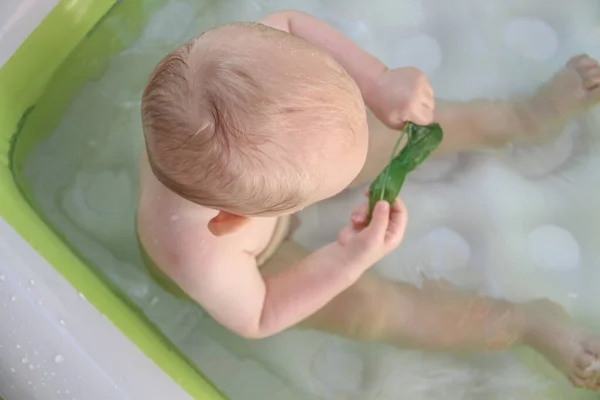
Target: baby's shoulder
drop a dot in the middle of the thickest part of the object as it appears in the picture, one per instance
(172, 230)
(180, 239)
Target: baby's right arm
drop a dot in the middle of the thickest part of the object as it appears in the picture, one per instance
(238, 297)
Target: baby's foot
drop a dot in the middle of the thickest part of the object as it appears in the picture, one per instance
(572, 350)
(574, 88)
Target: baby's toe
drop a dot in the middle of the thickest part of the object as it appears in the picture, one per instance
(592, 78)
(592, 347)
(593, 382)
(589, 62)
(582, 62)
(578, 382)
(586, 366)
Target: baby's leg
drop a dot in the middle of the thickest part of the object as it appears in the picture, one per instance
(441, 317)
(490, 123)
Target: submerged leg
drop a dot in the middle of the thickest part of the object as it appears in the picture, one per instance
(491, 123)
(442, 317)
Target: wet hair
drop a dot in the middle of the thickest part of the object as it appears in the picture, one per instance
(231, 118)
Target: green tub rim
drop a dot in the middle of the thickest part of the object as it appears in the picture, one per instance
(23, 80)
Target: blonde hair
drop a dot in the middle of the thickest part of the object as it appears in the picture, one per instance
(229, 118)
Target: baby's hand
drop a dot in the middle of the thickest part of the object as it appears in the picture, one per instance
(404, 95)
(370, 243)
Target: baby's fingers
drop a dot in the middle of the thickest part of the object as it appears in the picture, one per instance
(379, 220)
(398, 219)
(360, 215)
(423, 116)
(429, 103)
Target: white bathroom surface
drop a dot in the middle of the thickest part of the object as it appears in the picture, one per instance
(18, 18)
(519, 222)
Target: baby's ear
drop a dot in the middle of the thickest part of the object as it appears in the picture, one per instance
(225, 223)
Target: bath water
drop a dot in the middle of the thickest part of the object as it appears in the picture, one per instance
(517, 222)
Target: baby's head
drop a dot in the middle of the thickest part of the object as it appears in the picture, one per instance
(253, 121)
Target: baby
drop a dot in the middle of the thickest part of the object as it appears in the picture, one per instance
(249, 123)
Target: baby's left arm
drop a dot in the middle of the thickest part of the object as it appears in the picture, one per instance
(363, 67)
(393, 95)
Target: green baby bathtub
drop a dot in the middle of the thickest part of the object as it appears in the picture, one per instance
(67, 331)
